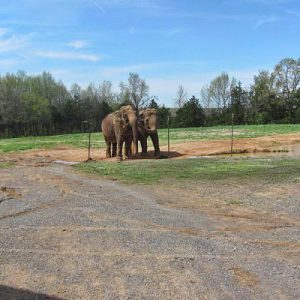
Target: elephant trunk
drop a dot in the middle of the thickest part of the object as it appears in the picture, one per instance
(134, 125)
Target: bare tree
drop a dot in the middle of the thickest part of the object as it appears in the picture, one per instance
(219, 90)
(181, 96)
(106, 94)
(135, 91)
(205, 97)
(286, 76)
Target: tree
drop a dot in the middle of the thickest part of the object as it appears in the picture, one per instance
(286, 76)
(135, 91)
(107, 95)
(205, 97)
(153, 104)
(181, 97)
(239, 104)
(190, 115)
(163, 116)
(266, 104)
(220, 89)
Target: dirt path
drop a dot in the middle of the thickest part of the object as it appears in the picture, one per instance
(288, 144)
(75, 237)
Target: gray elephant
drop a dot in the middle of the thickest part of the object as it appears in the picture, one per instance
(119, 127)
(148, 127)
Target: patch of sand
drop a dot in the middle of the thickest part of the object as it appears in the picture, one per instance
(288, 144)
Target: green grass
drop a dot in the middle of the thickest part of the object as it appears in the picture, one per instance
(6, 165)
(224, 132)
(177, 135)
(76, 140)
(201, 169)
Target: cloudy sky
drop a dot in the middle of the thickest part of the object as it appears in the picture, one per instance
(166, 42)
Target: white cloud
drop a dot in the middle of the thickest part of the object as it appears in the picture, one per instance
(115, 71)
(78, 44)
(162, 86)
(293, 13)
(13, 43)
(7, 63)
(3, 31)
(69, 55)
(264, 20)
(98, 5)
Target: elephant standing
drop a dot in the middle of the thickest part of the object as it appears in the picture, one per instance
(119, 127)
(147, 126)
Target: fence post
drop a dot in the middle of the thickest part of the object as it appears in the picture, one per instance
(86, 125)
(168, 135)
(231, 150)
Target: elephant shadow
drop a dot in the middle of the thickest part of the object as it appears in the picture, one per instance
(163, 155)
(12, 293)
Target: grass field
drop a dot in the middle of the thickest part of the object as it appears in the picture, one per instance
(80, 140)
(200, 169)
(6, 165)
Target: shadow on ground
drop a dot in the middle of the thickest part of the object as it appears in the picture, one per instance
(163, 154)
(11, 293)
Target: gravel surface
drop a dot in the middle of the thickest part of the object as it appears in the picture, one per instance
(69, 236)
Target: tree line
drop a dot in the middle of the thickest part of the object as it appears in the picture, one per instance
(274, 97)
(41, 105)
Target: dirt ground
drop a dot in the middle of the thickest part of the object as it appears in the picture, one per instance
(286, 144)
(65, 235)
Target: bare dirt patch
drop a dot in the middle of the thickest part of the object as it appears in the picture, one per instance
(86, 238)
(268, 144)
(245, 277)
(288, 144)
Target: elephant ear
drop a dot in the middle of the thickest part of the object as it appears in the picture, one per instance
(125, 119)
(116, 117)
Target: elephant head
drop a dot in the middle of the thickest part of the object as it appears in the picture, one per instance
(130, 122)
(118, 122)
(148, 120)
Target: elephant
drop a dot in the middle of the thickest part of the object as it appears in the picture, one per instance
(147, 126)
(119, 127)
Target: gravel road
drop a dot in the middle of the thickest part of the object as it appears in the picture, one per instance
(70, 236)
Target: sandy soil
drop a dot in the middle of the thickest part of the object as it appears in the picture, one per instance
(71, 236)
(288, 144)
(66, 235)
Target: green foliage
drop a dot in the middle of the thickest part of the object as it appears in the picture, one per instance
(190, 115)
(163, 114)
(239, 104)
(41, 105)
(153, 104)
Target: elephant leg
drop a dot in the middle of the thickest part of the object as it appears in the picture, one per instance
(114, 150)
(108, 147)
(144, 145)
(119, 150)
(127, 148)
(155, 141)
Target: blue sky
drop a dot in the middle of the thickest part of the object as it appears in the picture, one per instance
(166, 42)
